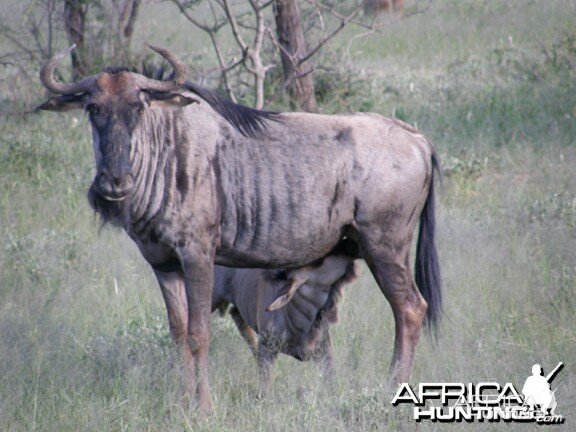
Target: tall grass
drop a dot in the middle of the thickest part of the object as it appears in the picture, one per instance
(84, 343)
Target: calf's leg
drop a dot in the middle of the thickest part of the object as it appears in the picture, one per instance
(267, 354)
(245, 330)
(323, 356)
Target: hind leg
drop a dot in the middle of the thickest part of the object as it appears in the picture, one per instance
(387, 256)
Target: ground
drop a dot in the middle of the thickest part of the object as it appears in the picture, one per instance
(84, 341)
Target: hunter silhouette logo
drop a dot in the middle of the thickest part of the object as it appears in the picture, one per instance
(484, 401)
(537, 390)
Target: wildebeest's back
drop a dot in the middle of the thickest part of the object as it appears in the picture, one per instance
(301, 182)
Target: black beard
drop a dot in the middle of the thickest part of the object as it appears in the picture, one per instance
(114, 212)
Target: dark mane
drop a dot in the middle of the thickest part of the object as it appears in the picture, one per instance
(117, 69)
(248, 121)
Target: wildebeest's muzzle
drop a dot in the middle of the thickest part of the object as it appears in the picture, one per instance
(112, 187)
(114, 179)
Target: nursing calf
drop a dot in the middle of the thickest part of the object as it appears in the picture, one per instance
(300, 325)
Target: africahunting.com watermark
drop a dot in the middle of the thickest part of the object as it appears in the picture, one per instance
(484, 401)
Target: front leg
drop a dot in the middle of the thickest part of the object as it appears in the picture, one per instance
(198, 270)
(174, 293)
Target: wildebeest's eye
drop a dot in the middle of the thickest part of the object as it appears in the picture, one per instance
(137, 108)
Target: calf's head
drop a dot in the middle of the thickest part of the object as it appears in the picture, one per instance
(116, 104)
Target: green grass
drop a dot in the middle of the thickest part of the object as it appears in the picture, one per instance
(84, 341)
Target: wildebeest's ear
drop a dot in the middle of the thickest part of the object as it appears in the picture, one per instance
(174, 100)
(62, 103)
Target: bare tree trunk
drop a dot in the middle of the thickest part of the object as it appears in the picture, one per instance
(126, 22)
(74, 21)
(293, 48)
(130, 18)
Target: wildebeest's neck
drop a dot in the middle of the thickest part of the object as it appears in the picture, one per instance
(153, 149)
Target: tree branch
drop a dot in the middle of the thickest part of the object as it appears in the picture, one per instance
(190, 17)
(233, 24)
(344, 20)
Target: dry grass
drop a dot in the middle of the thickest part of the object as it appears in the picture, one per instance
(84, 341)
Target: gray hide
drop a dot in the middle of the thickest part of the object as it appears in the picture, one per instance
(196, 180)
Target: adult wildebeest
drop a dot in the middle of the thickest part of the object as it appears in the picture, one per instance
(196, 180)
(299, 325)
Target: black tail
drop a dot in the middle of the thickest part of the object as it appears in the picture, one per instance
(427, 271)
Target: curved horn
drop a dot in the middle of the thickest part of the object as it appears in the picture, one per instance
(50, 82)
(180, 74)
